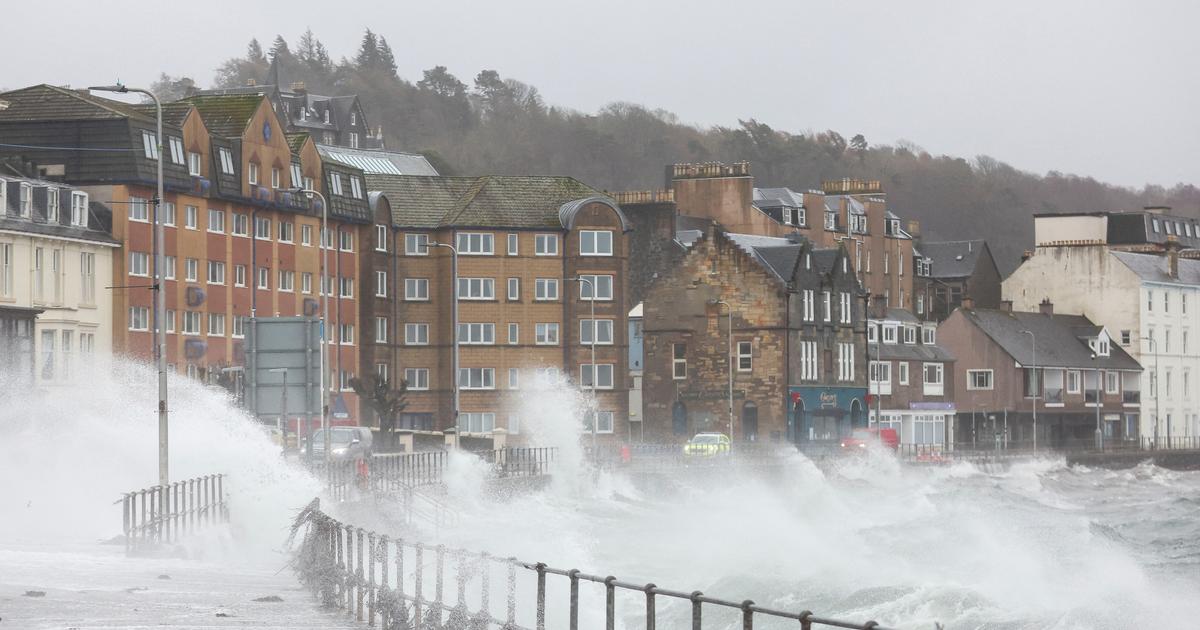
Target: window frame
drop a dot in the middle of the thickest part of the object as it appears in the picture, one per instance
(973, 376)
(596, 250)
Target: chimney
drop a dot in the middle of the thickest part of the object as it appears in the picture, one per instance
(914, 228)
(1026, 255)
(251, 83)
(1157, 209)
(1046, 307)
(1006, 306)
(878, 307)
(968, 303)
(1173, 256)
(298, 87)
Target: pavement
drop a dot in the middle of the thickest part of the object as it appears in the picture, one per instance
(83, 586)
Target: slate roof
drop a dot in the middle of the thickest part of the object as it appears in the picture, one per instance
(296, 142)
(529, 201)
(688, 237)
(773, 197)
(379, 162)
(779, 255)
(953, 259)
(48, 102)
(226, 115)
(173, 113)
(1059, 338)
(910, 352)
(1153, 268)
(825, 259)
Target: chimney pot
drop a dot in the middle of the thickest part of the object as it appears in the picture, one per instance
(1046, 307)
(251, 83)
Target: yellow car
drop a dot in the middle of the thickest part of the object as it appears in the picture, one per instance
(706, 445)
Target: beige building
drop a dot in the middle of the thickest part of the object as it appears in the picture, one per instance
(55, 268)
(1137, 283)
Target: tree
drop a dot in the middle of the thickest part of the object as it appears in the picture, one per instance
(439, 81)
(168, 88)
(387, 61)
(858, 142)
(387, 403)
(238, 71)
(368, 52)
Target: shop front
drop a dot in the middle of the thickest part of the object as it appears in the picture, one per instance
(825, 414)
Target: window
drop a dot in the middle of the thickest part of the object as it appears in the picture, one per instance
(191, 217)
(306, 235)
(827, 306)
(346, 240)
(239, 275)
(346, 334)
(809, 305)
(546, 334)
(252, 174)
(264, 278)
(477, 334)
(216, 324)
(1183, 303)
(1150, 294)
(52, 209)
(416, 244)
(193, 164)
(139, 208)
(604, 422)
(239, 326)
(139, 265)
(87, 278)
(345, 378)
(169, 264)
(417, 378)
(1166, 302)
(356, 187)
(928, 335)
(979, 379)
(514, 289)
(1167, 341)
(546, 289)
(910, 334)
(845, 361)
(477, 422)
(216, 221)
(1072, 382)
(191, 323)
(416, 289)
(902, 372)
(139, 318)
(477, 378)
(345, 287)
(679, 361)
(830, 220)
(79, 208)
(416, 334)
(477, 288)
(216, 272)
(514, 378)
(1184, 341)
(545, 245)
(604, 375)
(287, 230)
(475, 244)
(880, 375)
(1126, 337)
(262, 228)
(889, 333)
(808, 361)
(933, 385)
(514, 333)
(241, 224)
(170, 321)
(274, 177)
(745, 360)
(381, 284)
(602, 285)
(309, 183)
(191, 270)
(1112, 382)
(176, 149)
(381, 238)
(150, 145)
(844, 309)
(873, 332)
(306, 282)
(601, 328)
(287, 281)
(595, 243)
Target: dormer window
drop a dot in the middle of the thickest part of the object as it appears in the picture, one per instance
(830, 220)
(889, 333)
(1100, 346)
(353, 140)
(872, 332)
(326, 116)
(296, 175)
(52, 205)
(26, 207)
(79, 208)
(303, 113)
(929, 335)
(335, 183)
(176, 149)
(353, 118)
(356, 188)
(150, 145)
(226, 160)
(193, 159)
(910, 335)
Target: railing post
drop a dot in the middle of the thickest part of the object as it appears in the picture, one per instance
(650, 608)
(748, 615)
(437, 585)
(697, 606)
(573, 575)
(359, 580)
(511, 613)
(417, 599)
(370, 578)
(383, 577)
(610, 602)
(805, 620)
(485, 583)
(541, 596)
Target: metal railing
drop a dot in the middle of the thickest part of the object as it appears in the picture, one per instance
(383, 580)
(163, 515)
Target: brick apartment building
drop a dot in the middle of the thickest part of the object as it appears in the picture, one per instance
(797, 340)
(238, 243)
(520, 241)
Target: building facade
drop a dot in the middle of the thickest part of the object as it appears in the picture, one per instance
(947, 271)
(911, 378)
(777, 316)
(56, 260)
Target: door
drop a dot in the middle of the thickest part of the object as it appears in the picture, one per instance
(750, 421)
(679, 419)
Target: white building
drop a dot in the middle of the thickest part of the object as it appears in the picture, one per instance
(1126, 272)
(55, 269)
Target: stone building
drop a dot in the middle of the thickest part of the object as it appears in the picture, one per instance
(795, 352)
(947, 271)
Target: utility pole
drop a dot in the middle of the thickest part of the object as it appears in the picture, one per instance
(1035, 381)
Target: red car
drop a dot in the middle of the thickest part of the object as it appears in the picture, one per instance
(860, 438)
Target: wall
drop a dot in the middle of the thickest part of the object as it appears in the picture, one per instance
(1070, 228)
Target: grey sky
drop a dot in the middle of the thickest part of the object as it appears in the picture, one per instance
(1099, 88)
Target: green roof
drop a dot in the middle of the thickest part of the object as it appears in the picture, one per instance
(227, 115)
(530, 201)
(48, 102)
(296, 141)
(173, 113)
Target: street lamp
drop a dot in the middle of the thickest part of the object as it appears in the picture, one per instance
(454, 292)
(1033, 375)
(160, 296)
(325, 291)
(728, 358)
(1099, 432)
(595, 370)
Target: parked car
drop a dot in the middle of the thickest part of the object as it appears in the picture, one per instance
(862, 438)
(346, 443)
(706, 445)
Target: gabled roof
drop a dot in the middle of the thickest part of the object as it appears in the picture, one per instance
(48, 102)
(953, 259)
(174, 114)
(296, 141)
(1061, 339)
(1154, 268)
(490, 201)
(774, 197)
(379, 162)
(227, 115)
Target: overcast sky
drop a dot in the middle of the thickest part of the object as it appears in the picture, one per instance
(1102, 88)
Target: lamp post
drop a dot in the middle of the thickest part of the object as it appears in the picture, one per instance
(160, 296)
(1154, 349)
(325, 291)
(729, 358)
(1099, 432)
(595, 407)
(1035, 382)
(454, 292)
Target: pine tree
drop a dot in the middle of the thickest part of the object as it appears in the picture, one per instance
(368, 52)
(387, 62)
(280, 50)
(254, 52)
